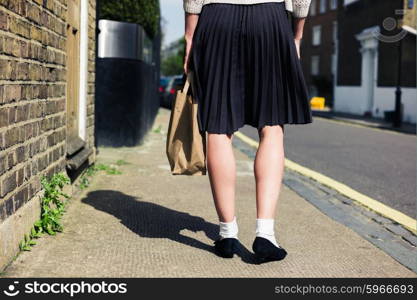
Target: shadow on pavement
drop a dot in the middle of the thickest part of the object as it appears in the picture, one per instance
(151, 220)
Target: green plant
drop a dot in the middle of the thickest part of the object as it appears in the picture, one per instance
(109, 170)
(158, 130)
(51, 205)
(121, 162)
(27, 243)
(173, 63)
(84, 182)
(52, 208)
(90, 171)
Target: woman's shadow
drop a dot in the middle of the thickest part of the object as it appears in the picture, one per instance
(155, 221)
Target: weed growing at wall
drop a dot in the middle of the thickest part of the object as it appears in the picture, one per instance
(52, 208)
(53, 204)
(92, 170)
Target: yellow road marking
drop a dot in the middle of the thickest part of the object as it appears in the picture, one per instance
(364, 200)
(361, 125)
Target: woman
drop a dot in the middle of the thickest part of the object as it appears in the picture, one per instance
(245, 58)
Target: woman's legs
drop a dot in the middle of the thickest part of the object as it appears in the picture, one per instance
(222, 174)
(269, 169)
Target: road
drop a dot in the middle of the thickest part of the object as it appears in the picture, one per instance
(378, 163)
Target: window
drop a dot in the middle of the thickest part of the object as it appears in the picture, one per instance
(316, 35)
(313, 7)
(334, 31)
(323, 6)
(410, 4)
(333, 4)
(315, 60)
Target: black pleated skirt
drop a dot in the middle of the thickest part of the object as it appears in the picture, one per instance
(246, 68)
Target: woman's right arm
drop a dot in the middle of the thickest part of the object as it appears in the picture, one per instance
(191, 20)
(300, 12)
(192, 9)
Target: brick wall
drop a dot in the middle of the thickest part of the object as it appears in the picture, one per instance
(33, 97)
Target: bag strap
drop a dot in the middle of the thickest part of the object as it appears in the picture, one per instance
(186, 84)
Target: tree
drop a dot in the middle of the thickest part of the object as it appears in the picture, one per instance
(173, 64)
(143, 12)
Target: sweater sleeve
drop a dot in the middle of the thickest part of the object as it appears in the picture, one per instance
(300, 8)
(193, 6)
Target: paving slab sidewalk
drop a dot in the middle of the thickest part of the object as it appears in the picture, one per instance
(148, 223)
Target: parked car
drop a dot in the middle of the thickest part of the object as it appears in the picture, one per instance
(163, 83)
(174, 84)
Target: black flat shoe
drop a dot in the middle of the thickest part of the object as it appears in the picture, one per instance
(225, 247)
(265, 250)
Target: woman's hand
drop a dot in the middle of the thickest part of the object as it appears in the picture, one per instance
(297, 46)
(298, 32)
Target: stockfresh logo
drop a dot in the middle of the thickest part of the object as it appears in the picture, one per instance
(390, 24)
(12, 289)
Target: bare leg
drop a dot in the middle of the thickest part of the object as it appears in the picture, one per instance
(221, 168)
(269, 169)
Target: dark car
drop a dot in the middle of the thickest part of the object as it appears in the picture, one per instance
(174, 84)
(163, 83)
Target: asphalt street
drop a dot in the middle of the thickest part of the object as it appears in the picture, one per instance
(378, 163)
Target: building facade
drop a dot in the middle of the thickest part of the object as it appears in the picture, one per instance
(319, 48)
(370, 37)
(47, 76)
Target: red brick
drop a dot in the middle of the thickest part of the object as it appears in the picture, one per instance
(22, 113)
(1, 93)
(21, 197)
(12, 136)
(4, 116)
(12, 93)
(20, 176)
(8, 184)
(12, 115)
(4, 21)
(34, 13)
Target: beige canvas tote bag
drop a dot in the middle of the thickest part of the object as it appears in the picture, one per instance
(185, 145)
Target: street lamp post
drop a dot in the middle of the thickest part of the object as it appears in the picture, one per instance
(398, 114)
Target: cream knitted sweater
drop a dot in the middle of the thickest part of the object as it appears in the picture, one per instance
(299, 8)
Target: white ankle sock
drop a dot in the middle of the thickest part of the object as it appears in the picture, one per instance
(228, 229)
(265, 229)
